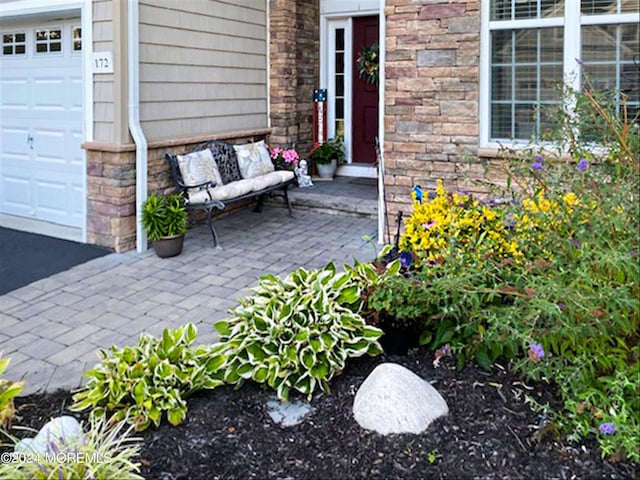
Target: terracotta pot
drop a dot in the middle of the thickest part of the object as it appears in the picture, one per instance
(327, 170)
(169, 246)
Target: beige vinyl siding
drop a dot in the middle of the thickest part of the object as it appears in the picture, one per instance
(103, 84)
(203, 67)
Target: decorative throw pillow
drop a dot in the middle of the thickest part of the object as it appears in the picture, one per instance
(225, 156)
(254, 159)
(199, 167)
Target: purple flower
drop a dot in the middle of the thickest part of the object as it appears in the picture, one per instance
(406, 259)
(578, 61)
(536, 352)
(560, 306)
(576, 243)
(537, 166)
(583, 165)
(607, 428)
(539, 159)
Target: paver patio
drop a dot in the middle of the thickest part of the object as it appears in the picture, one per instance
(52, 329)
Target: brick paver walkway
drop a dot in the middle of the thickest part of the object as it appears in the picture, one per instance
(52, 328)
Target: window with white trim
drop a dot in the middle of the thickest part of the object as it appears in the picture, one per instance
(536, 45)
(76, 39)
(14, 44)
(48, 40)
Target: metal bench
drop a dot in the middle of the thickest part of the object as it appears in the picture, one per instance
(206, 193)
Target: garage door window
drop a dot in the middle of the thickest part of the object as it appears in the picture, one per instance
(14, 44)
(49, 40)
(76, 34)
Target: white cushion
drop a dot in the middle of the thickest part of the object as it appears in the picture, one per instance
(270, 179)
(253, 159)
(199, 167)
(240, 187)
(284, 175)
(232, 190)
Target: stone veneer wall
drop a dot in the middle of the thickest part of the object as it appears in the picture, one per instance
(431, 98)
(294, 71)
(111, 184)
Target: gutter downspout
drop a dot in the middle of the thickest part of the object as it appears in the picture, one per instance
(134, 119)
(381, 75)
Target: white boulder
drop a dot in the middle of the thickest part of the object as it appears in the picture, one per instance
(56, 435)
(393, 399)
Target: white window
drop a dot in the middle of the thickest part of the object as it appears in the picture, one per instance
(530, 47)
(76, 39)
(14, 44)
(48, 40)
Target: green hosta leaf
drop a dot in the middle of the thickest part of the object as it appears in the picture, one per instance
(176, 416)
(308, 358)
(245, 370)
(222, 327)
(260, 374)
(320, 370)
(393, 268)
(349, 295)
(371, 333)
(191, 333)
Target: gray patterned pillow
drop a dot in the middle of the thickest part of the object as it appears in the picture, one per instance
(225, 157)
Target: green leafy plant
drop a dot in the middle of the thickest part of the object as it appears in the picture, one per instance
(330, 149)
(139, 383)
(558, 292)
(8, 391)
(105, 451)
(296, 333)
(164, 216)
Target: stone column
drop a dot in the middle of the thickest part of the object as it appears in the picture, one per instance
(294, 70)
(431, 96)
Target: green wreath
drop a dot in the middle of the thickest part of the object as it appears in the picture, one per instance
(368, 63)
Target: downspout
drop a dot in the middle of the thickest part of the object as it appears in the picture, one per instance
(381, 192)
(134, 119)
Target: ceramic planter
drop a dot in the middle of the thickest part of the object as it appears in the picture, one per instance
(327, 170)
(169, 246)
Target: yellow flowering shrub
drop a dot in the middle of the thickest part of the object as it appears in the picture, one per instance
(453, 224)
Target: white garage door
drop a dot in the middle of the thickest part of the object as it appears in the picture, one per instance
(41, 163)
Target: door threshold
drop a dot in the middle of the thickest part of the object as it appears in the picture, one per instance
(366, 170)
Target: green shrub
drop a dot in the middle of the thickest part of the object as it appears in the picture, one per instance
(296, 333)
(565, 301)
(139, 383)
(105, 452)
(8, 390)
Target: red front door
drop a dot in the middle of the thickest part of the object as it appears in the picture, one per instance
(364, 126)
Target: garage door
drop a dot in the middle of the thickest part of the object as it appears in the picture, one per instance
(41, 118)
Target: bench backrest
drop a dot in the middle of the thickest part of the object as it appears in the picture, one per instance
(223, 153)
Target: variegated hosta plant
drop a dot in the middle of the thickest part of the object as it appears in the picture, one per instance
(139, 383)
(296, 333)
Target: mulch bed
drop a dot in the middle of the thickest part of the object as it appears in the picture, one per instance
(490, 433)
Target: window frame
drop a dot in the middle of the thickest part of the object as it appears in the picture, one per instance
(14, 44)
(571, 21)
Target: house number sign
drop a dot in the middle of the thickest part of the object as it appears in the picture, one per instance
(102, 62)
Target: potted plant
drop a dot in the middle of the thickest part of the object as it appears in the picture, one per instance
(327, 156)
(164, 217)
(284, 159)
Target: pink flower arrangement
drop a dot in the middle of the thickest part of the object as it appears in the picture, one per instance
(284, 158)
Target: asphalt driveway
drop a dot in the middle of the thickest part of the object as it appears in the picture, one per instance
(28, 257)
